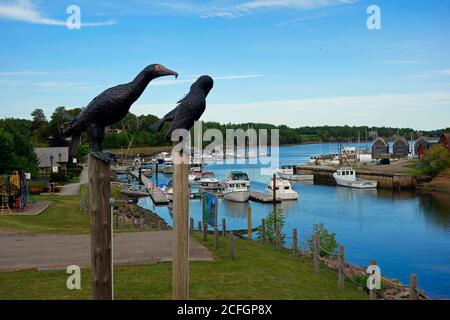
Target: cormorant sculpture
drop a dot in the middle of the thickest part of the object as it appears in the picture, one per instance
(109, 107)
(189, 109)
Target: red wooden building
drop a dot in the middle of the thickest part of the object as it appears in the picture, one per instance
(445, 141)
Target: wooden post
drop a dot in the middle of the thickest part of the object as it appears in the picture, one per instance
(341, 266)
(159, 224)
(191, 226)
(263, 230)
(274, 199)
(413, 287)
(249, 223)
(123, 222)
(216, 237)
(373, 292)
(231, 235)
(316, 253)
(277, 237)
(205, 232)
(101, 236)
(200, 226)
(180, 270)
(294, 243)
(224, 227)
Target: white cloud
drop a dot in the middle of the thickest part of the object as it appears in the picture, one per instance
(26, 11)
(23, 73)
(443, 72)
(240, 8)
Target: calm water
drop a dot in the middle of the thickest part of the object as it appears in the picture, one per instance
(405, 232)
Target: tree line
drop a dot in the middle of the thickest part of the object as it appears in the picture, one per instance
(19, 136)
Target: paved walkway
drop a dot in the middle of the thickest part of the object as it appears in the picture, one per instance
(73, 189)
(21, 252)
(32, 209)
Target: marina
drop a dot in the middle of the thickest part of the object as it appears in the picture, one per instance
(402, 230)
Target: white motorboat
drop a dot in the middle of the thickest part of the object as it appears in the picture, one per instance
(283, 190)
(346, 177)
(168, 167)
(208, 179)
(289, 172)
(236, 187)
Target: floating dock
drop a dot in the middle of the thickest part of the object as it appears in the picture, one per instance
(157, 195)
(263, 197)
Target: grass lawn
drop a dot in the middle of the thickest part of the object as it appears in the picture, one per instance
(259, 272)
(143, 151)
(62, 217)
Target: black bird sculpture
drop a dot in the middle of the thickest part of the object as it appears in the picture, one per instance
(109, 107)
(189, 109)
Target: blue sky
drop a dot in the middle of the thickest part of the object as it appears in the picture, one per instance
(296, 62)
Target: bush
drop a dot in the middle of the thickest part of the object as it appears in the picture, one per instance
(270, 226)
(327, 240)
(59, 177)
(436, 161)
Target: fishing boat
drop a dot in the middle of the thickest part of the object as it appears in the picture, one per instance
(168, 167)
(346, 177)
(289, 172)
(236, 187)
(208, 179)
(283, 190)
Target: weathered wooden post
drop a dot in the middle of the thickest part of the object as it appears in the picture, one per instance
(141, 223)
(274, 199)
(180, 270)
(373, 292)
(191, 226)
(277, 237)
(413, 287)
(249, 223)
(294, 243)
(231, 235)
(159, 224)
(224, 227)
(263, 231)
(101, 235)
(341, 266)
(216, 237)
(205, 232)
(200, 226)
(316, 253)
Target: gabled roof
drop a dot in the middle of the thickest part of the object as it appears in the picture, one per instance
(382, 140)
(401, 140)
(43, 155)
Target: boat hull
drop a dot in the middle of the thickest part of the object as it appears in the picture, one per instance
(236, 196)
(297, 177)
(358, 184)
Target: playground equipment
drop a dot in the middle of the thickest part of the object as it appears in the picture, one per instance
(13, 192)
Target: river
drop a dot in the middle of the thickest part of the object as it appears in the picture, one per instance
(405, 232)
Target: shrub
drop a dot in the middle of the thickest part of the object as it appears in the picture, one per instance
(436, 161)
(270, 226)
(327, 240)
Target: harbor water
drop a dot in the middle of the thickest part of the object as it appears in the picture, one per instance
(405, 232)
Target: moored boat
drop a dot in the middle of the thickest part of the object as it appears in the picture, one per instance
(289, 172)
(283, 190)
(236, 187)
(346, 177)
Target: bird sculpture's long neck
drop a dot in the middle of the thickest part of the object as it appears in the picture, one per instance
(140, 83)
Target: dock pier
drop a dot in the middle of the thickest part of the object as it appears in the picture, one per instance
(157, 195)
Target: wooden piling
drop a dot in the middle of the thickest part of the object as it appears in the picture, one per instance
(294, 243)
(316, 253)
(101, 235)
(141, 223)
(341, 267)
(249, 223)
(224, 227)
(180, 270)
(200, 226)
(231, 235)
(413, 287)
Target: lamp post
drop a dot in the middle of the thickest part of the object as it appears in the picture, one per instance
(51, 171)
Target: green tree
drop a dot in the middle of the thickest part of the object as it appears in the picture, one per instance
(327, 240)
(274, 220)
(6, 150)
(39, 119)
(436, 160)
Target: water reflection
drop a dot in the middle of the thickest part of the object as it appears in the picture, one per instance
(235, 209)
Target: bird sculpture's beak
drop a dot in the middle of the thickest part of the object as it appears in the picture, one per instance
(169, 72)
